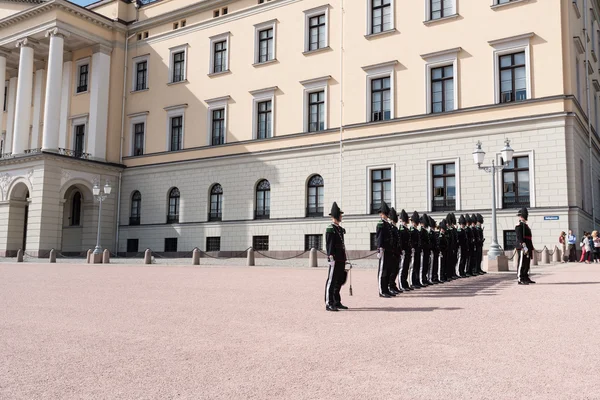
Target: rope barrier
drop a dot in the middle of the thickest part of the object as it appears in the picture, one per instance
(224, 258)
(281, 259)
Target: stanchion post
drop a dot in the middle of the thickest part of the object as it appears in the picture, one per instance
(312, 258)
(250, 258)
(534, 257)
(196, 256)
(89, 255)
(545, 256)
(106, 257)
(147, 256)
(515, 260)
(20, 255)
(52, 256)
(556, 256)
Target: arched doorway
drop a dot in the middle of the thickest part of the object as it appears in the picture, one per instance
(18, 197)
(79, 218)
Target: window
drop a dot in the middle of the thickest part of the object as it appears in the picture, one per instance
(442, 89)
(133, 245)
(264, 120)
(313, 242)
(515, 182)
(316, 111)
(141, 75)
(183, 23)
(381, 188)
(173, 212)
(146, 35)
(220, 57)
(224, 11)
(82, 78)
(5, 95)
(79, 140)
(578, 77)
(381, 18)
(218, 127)
(265, 45)
(444, 187)
(510, 240)
(213, 243)
(315, 195)
(138, 139)
(139, 36)
(170, 245)
(513, 85)
(260, 243)
(380, 99)
(317, 37)
(263, 200)
(176, 25)
(441, 9)
(136, 208)
(373, 241)
(216, 203)
(176, 133)
(76, 209)
(178, 67)
(216, 13)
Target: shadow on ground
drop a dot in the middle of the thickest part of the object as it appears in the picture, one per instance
(488, 285)
(570, 283)
(406, 309)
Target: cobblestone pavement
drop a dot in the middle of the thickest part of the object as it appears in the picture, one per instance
(76, 331)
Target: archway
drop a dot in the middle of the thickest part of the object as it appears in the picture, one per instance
(77, 219)
(18, 211)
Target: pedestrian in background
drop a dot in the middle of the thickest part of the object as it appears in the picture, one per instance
(583, 247)
(562, 239)
(571, 240)
(587, 244)
(596, 241)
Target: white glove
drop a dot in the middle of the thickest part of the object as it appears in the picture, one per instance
(525, 249)
(331, 263)
(379, 254)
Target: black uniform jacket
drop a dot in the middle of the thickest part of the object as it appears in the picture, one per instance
(334, 239)
(385, 236)
(404, 238)
(523, 232)
(462, 238)
(415, 238)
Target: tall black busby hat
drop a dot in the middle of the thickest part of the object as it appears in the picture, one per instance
(425, 220)
(449, 218)
(462, 220)
(394, 215)
(452, 219)
(431, 222)
(415, 217)
(473, 219)
(404, 216)
(523, 213)
(442, 224)
(384, 209)
(467, 219)
(335, 211)
(480, 218)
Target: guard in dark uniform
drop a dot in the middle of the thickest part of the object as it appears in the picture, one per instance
(470, 242)
(415, 242)
(451, 248)
(385, 248)
(481, 241)
(336, 256)
(406, 251)
(463, 246)
(425, 249)
(473, 261)
(434, 236)
(524, 247)
(443, 251)
(393, 288)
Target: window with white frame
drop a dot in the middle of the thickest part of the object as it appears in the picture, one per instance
(380, 91)
(443, 181)
(381, 188)
(137, 124)
(83, 75)
(316, 28)
(263, 106)
(578, 78)
(217, 120)
(593, 30)
(516, 186)
(315, 104)
(78, 135)
(219, 53)
(178, 64)
(175, 127)
(442, 82)
(438, 9)
(512, 68)
(140, 73)
(380, 16)
(264, 43)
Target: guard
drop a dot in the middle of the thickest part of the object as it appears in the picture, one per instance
(463, 246)
(434, 275)
(481, 241)
(425, 249)
(524, 247)
(406, 254)
(443, 251)
(385, 247)
(415, 242)
(396, 252)
(336, 257)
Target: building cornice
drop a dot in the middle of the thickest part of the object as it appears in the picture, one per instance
(511, 39)
(453, 51)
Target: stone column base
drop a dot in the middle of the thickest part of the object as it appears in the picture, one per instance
(96, 258)
(500, 264)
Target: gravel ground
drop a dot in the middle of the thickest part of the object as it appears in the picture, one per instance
(70, 331)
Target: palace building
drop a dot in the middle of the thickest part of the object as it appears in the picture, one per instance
(225, 124)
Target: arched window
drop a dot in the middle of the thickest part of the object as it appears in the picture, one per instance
(76, 209)
(315, 196)
(136, 208)
(173, 215)
(263, 200)
(216, 203)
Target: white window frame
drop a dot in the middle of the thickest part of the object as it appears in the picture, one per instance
(308, 14)
(500, 189)
(437, 161)
(370, 19)
(138, 118)
(312, 86)
(172, 112)
(511, 45)
(370, 168)
(381, 71)
(172, 52)
(77, 120)
(259, 96)
(428, 11)
(136, 61)
(272, 24)
(214, 39)
(79, 63)
(215, 104)
(441, 59)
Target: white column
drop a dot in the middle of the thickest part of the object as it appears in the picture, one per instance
(96, 142)
(65, 101)
(36, 119)
(53, 100)
(3, 56)
(24, 91)
(10, 113)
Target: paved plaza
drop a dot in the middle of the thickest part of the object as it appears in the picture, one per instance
(73, 331)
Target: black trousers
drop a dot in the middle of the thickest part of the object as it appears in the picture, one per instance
(572, 253)
(335, 279)
(425, 265)
(405, 259)
(524, 265)
(386, 266)
(436, 273)
(450, 263)
(463, 259)
(416, 267)
(473, 264)
(395, 270)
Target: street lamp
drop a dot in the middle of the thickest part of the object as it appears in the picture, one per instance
(478, 156)
(100, 194)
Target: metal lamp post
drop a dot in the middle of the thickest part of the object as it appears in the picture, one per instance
(478, 156)
(100, 195)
